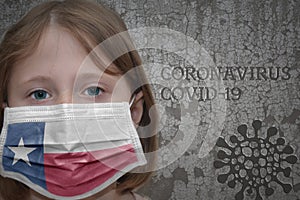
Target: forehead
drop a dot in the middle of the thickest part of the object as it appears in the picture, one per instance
(55, 47)
(59, 50)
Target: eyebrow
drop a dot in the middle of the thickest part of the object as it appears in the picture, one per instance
(97, 75)
(90, 75)
(39, 78)
(104, 77)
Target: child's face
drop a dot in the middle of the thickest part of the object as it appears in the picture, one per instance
(54, 74)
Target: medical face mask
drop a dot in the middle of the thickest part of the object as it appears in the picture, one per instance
(69, 151)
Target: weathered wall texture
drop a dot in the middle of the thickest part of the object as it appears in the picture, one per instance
(245, 142)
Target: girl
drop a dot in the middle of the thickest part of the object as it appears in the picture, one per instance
(43, 63)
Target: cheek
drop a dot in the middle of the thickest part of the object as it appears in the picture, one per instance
(120, 93)
(12, 95)
(118, 96)
(15, 95)
(14, 100)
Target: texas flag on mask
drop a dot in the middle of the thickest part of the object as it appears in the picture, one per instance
(69, 158)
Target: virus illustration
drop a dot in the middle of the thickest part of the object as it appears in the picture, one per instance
(255, 161)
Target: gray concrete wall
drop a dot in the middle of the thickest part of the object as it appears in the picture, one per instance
(242, 144)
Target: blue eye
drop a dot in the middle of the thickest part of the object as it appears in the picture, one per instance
(40, 95)
(93, 91)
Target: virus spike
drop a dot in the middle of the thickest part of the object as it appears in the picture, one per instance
(286, 187)
(240, 194)
(242, 129)
(287, 171)
(231, 183)
(271, 132)
(222, 143)
(222, 155)
(234, 139)
(222, 178)
(219, 164)
(291, 159)
(288, 150)
(280, 141)
(256, 124)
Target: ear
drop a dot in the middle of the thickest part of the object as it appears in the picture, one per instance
(137, 108)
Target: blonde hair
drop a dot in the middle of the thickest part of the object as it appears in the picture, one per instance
(91, 24)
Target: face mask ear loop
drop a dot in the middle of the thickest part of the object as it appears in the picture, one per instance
(132, 100)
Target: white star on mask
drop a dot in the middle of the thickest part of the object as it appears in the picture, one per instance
(21, 152)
